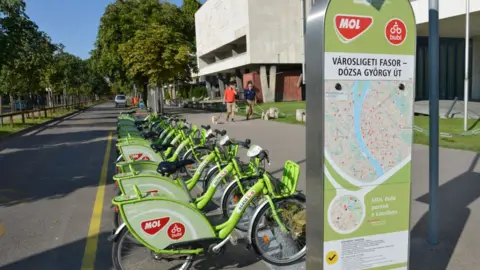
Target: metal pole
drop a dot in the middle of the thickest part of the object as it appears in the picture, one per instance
(433, 55)
(304, 29)
(467, 56)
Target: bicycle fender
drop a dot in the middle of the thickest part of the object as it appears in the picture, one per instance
(186, 153)
(229, 186)
(191, 149)
(255, 214)
(116, 233)
(211, 170)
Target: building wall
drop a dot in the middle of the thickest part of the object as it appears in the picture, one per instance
(275, 31)
(476, 69)
(446, 9)
(219, 22)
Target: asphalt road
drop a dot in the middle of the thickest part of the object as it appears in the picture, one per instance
(48, 188)
(48, 185)
(49, 180)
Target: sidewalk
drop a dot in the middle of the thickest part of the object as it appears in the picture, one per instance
(458, 193)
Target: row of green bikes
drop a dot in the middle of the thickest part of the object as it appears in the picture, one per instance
(171, 173)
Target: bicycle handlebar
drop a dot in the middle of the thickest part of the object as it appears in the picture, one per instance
(244, 144)
(222, 132)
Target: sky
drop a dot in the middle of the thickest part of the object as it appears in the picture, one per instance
(74, 23)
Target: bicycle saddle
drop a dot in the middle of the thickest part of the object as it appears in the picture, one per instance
(161, 147)
(167, 167)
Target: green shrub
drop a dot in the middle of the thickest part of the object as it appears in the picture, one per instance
(198, 92)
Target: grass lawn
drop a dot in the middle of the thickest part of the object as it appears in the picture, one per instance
(18, 125)
(454, 126)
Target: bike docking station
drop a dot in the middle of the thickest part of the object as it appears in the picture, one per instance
(360, 76)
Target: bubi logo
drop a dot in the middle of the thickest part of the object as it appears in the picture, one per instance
(139, 156)
(350, 27)
(396, 32)
(153, 226)
(176, 231)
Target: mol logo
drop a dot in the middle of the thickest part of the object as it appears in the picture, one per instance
(350, 27)
(139, 156)
(153, 226)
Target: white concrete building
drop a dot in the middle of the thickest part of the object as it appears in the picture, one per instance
(237, 36)
(266, 36)
(452, 53)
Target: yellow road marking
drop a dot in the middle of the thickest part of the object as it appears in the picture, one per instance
(89, 256)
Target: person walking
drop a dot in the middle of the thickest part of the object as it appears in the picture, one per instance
(229, 99)
(251, 98)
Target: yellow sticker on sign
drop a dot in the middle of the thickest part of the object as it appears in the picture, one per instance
(332, 257)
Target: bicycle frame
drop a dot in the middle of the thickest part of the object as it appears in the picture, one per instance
(222, 231)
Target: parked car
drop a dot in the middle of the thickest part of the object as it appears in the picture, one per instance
(120, 100)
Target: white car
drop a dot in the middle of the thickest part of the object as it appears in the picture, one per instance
(120, 100)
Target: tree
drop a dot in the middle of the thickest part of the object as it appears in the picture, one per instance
(21, 71)
(133, 20)
(158, 53)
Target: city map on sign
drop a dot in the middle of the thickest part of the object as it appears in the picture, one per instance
(372, 134)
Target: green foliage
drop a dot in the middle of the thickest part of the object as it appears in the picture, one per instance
(198, 92)
(30, 62)
(147, 42)
(158, 53)
(167, 95)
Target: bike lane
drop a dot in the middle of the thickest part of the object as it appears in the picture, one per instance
(48, 187)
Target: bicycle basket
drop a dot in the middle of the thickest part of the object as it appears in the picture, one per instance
(287, 186)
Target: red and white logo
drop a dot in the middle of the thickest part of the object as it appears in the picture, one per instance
(139, 156)
(153, 226)
(396, 32)
(176, 231)
(350, 27)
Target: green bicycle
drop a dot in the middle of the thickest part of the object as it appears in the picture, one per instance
(171, 230)
(179, 188)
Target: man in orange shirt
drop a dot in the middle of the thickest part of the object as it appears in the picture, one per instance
(229, 99)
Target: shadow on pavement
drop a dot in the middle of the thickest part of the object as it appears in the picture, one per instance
(65, 257)
(69, 256)
(454, 198)
(180, 111)
(50, 166)
(113, 116)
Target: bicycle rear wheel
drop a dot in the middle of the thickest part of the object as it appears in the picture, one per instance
(134, 256)
(270, 241)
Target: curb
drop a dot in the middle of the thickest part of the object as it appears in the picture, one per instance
(46, 123)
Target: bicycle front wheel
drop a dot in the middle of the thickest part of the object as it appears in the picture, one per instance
(201, 153)
(232, 195)
(271, 241)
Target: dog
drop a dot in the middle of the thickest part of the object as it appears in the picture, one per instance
(214, 120)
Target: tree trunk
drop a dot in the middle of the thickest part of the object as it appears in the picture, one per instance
(12, 103)
(1, 109)
(145, 90)
(161, 100)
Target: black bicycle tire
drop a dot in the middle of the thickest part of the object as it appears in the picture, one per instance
(116, 246)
